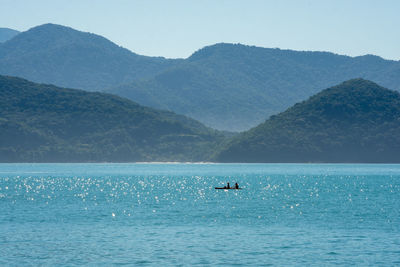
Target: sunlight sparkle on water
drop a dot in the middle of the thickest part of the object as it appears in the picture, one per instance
(168, 215)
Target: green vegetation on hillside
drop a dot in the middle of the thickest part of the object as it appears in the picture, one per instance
(44, 123)
(225, 86)
(356, 121)
(235, 87)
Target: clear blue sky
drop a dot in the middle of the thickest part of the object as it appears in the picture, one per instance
(177, 28)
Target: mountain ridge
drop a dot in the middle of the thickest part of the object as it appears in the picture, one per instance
(44, 123)
(63, 56)
(225, 86)
(355, 121)
(235, 87)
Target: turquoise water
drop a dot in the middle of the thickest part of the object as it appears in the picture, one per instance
(170, 214)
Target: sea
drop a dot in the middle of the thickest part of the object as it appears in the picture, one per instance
(169, 214)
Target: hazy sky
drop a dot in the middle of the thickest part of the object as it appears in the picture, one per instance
(177, 28)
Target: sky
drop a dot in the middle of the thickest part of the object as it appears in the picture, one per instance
(177, 28)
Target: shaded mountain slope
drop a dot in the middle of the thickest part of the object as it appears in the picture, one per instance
(66, 57)
(6, 34)
(44, 123)
(356, 121)
(235, 87)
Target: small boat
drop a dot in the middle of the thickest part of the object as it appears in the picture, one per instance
(225, 188)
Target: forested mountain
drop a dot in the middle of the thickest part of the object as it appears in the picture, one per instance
(226, 86)
(356, 121)
(44, 123)
(6, 34)
(65, 57)
(235, 87)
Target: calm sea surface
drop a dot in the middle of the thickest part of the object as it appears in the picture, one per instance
(170, 214)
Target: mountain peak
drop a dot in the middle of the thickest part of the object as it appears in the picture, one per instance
(61, 35)
(352, 101)
(64, 56)
(359, 84)
(51, 26)
(363, 87)
(218, 48)
(355, 121)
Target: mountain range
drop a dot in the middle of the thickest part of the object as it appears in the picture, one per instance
(235, 87)
(356, 121)
(44, 123)
(225, 86)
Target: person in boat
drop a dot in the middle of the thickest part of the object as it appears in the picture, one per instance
(228, 187)
(236, 186)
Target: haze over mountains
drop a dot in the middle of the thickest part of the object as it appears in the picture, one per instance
(356, 121)
(235, 87)
(65, 57)
(44, 123)
(225, 86)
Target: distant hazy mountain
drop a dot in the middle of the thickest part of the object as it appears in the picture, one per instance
(44, 123)
(235, 87)
(226, 86)
(65, 57)
(356, 121)
(6, 34)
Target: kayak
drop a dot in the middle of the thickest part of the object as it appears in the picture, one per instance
(224, 188)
